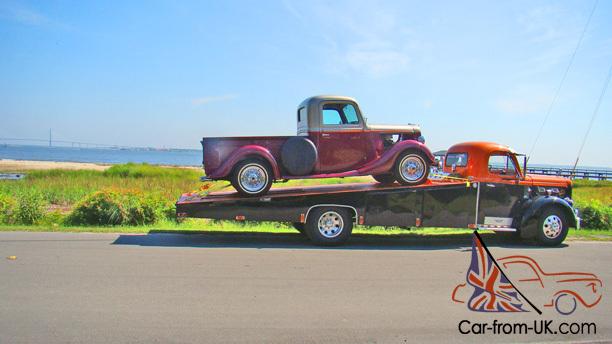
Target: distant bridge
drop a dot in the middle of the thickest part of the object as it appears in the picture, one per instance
(65, 143)
(579, 173)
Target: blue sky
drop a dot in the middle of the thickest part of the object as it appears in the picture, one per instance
(166, 73)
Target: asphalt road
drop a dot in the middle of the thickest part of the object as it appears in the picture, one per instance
(172, 288)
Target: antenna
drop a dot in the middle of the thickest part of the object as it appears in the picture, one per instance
(586, 135)
(558, 90)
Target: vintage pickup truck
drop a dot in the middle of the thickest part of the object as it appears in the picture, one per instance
(333, 140)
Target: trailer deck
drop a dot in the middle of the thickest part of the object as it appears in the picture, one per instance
(310, 190)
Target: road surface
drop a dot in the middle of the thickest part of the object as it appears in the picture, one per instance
(174, 288)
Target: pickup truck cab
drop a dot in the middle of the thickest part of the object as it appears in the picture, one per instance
(333, 140)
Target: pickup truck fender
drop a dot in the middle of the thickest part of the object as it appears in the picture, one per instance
(242, 153)
(386, 161)
(533, 208)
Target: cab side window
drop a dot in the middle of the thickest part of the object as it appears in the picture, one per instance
(350, 114)
(502, 164)
(331, 117)
(339, 114)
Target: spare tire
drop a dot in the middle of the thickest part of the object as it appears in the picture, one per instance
(298, 156)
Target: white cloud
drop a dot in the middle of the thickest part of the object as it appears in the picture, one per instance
(211, 99)
(20, 13)
(552, 32)
(363, 37)
(524, 100)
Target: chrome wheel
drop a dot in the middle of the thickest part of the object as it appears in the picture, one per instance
(330, 224)
(552, 226)
(253, 178)
(412, 168)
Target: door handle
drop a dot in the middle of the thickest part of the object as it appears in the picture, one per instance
(324, 135)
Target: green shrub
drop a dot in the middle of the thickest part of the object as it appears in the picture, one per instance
(595, 215)
(7, 209)
(30, 208)
(132, 170)
(53, 218)
(118, 207)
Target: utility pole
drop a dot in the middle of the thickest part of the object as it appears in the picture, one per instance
(49, 137)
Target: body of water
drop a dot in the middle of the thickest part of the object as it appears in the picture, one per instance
(179, 157)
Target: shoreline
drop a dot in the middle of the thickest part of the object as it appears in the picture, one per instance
(13, 165)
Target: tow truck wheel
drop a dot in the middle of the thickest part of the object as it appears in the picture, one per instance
(252, 177)
(552, 227)
(411, 168)
(329, 225)
(384, 178)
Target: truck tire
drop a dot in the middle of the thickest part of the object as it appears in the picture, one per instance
(384, 178)
(298, 156)
(552, 227)
(252, 177)
(329, 226)
(411, 168)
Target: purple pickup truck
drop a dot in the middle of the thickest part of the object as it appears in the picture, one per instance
(333, 140)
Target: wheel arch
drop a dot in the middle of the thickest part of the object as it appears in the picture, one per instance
(354, 210)
(246, 152)
(387, 160)
(408, 145)
(535, 208)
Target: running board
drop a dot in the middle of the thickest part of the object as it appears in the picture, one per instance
(492, 228)
(495, 228)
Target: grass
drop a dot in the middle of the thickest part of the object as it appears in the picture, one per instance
(210, 226)
(62, 189)
(66, 187)
(593, 190)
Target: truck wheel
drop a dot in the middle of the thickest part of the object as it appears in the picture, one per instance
(252, 177)
(552, 227)
(384, 178)
(329, 226)
(411, 168)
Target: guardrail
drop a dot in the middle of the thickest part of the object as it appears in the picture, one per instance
(579, 173)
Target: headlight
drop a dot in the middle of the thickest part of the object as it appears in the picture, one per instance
(421, 139)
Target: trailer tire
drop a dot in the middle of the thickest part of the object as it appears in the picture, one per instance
(252, 177)
(329, 226)
(552, 227)
(411, 168)
(385, 179)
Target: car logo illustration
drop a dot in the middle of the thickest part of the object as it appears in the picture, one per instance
(508, 284)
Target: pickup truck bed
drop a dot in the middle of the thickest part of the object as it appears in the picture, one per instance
(217, 150)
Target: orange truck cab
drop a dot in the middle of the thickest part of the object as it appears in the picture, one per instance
(495, 167)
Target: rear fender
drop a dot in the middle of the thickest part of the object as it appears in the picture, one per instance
(386, 161)
(242, 153)
(535, 207)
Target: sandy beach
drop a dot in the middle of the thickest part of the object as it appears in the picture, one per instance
(9, 165)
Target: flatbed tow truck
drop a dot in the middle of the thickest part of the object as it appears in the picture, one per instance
(482, 187)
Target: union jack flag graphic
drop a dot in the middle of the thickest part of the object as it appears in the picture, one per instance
(492, 291)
